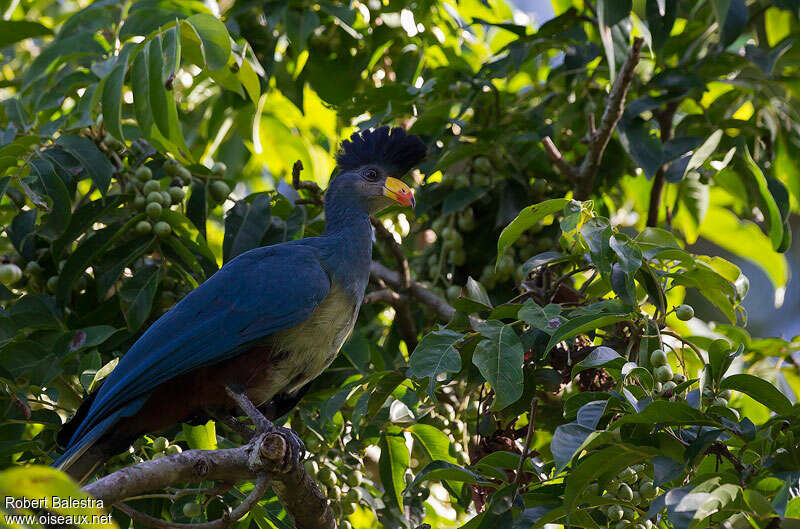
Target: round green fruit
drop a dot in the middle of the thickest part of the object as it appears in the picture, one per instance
(663, 373)
(625, 493)
(353, 495)
(173, 449)
(150, 186)
(219, 168)
(143, 227)
(658, 358)
(311, 467)
(334, 492)
(348, 508)
(614, 513)
(153, 210)
(354, 478)
(327, 477)
(184, 174)
(482, 164)
(139, 203)
(313, 445)
(192, 510)
(219, 190)
(143, 174)
(10, 274)
(684, 312)
(166, 198)
(162, 229)
(52, 283)
(679, 378)
(668, 386)
(177, 194)
(33, 268)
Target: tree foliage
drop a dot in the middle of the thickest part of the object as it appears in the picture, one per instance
(525, 355)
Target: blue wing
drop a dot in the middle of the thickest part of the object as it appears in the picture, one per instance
(258, 293)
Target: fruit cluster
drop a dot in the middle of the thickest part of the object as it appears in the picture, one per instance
(633, 490)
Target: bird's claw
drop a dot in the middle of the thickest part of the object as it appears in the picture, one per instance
(295, 448)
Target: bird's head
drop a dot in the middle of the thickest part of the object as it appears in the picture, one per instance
(370, 166)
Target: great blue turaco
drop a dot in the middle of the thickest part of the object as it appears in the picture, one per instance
(268, 322)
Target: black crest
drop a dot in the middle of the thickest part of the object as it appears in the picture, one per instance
(391, 149)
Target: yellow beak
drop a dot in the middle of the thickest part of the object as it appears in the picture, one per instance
(399, 192)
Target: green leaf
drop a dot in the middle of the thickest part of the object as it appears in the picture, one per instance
(137, 294)
(725, 229)
(666, 412)
(434, 355)
(112, 101)
(760, 390)
(202, 437)
(60, 212)
(547, 319)
(443, 470)
(600, 356)
(567, 439)
(527, 218)
(583, 324)
(629, 255)
(473, 298)
(215, 42)
(643, 147)
(498, 356)
(433, 441)
(12, 31)
(94, 162)
(759, 191)
(392, 465)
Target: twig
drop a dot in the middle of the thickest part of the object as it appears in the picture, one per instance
(227, 519)
(316, 191)
(405, 320)
(692, 346)
(564, 166)
(613, 111)
(417, 291)
(526, 449)
(665, 123)
(721, 449)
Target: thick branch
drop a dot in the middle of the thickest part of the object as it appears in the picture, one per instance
(306, 504)
(613, 111)
(417, 291)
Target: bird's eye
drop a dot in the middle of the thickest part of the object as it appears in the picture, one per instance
(370, 174)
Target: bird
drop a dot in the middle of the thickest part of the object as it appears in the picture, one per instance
(267, 322)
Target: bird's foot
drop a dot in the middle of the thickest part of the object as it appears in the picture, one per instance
(282, 449)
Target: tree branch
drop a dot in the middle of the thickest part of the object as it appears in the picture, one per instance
(400, 302)
(316, 191)
(665, 119)
(228, 519)
(263, 458)
(613, 111)
(564, 166)
(415, 290)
